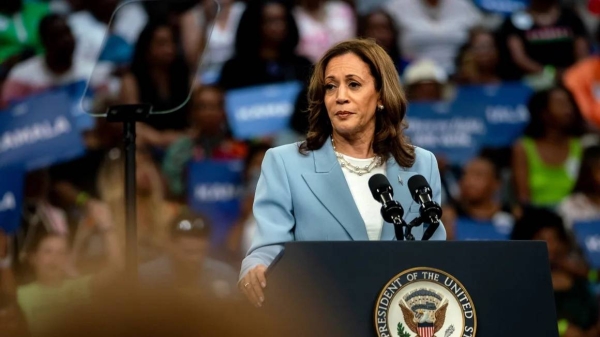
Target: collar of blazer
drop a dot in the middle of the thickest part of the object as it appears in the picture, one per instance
(329, 185)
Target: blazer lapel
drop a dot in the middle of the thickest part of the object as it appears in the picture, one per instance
(398, 178)
(329, 185)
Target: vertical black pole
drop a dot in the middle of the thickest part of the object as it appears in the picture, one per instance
(130, 200)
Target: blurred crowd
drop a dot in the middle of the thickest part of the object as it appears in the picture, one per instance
(70, 246)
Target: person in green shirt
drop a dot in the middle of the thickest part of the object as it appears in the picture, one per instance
(53, 293)
(19, 36)
(546, 160)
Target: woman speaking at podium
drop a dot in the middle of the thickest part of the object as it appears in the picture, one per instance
(318, 190)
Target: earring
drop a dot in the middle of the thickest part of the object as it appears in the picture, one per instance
(380, 107)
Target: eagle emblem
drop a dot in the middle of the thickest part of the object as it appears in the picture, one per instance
(424, 312)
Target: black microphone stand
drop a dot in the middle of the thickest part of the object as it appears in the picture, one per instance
(129, 115)
(418, 221)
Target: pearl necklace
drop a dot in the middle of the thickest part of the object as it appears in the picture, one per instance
(353, 168)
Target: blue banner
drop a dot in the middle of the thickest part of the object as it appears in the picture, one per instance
(261, 110)
(215, 190)
(505, 7)
(480, 116)
(11, 198)
(587, 234)
(39, 132)
(79, 98)
(470, 230)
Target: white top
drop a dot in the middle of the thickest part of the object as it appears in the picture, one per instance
(338, 23)
(434, 33)
(32, 75)
(221, 45)
(129, 21)
(369, 208)
(577, 207)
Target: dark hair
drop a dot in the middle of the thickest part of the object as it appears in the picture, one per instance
(389, 122)
(363, 23)
(47, 22)
(248, 38)
(585, 182)
(535, 219)
(462, 51)
(489, 156)
(538, 105)
(179, 70)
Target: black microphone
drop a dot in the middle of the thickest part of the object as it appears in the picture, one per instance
(391, 210)
(421, 192)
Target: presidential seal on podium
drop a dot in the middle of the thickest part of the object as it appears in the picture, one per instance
(425, 302)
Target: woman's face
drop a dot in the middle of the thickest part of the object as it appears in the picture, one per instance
(350, 96)
(208, 112)
(50, 259)
(561, 112)
(484, 51)
(379, 27)
(162, 47)
(274, 25)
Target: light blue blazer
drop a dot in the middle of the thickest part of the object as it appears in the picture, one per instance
(306, 198)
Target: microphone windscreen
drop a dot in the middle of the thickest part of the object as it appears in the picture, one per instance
(416, 183)
(379, 183)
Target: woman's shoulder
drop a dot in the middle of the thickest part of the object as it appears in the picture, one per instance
(423, 156)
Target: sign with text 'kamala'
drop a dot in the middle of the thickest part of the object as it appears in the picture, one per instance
(11, 198)
(480, 116)
(39, 132)
(587, 234)
(261, 110)
(215, 190)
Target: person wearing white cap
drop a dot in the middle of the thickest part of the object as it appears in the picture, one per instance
(424, 81)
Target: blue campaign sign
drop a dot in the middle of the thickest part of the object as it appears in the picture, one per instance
(11, 198)
(79, 98)
(470, 230)
(505, 7)
(215, 190)
(261, 110)
(39, 132)
(587, 234)
(479, 116)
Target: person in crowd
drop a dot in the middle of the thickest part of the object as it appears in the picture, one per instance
(546, 159)
(186, 268)
(154, 211)
(576, 306)
(546, 34)
(208, 138)
(19, 34)
(52, 292)
(582, 79)
(584, 202)
(478, 60)
(425, 81)
(242, 232)
(379, 25)
(479, 198)
(59, 65)
(159, 76)
(265, 48)
(434, 29)
(95, 22)
(318, 189)
(198, 24)
(322, 24)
